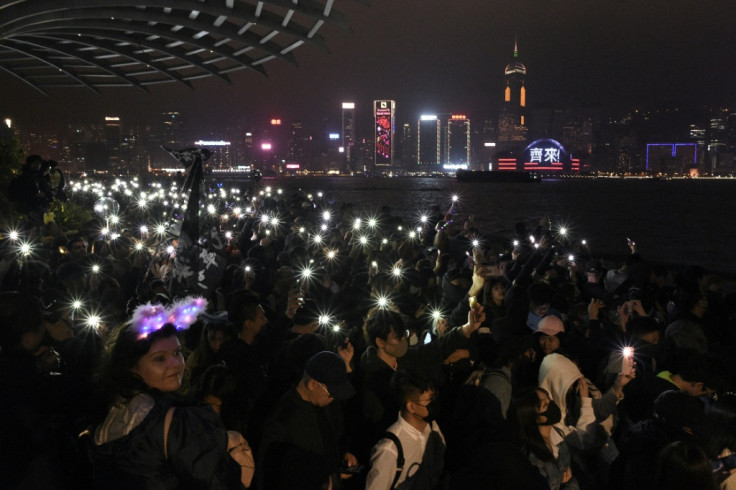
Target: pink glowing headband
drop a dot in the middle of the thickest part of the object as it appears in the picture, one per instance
(149, 318)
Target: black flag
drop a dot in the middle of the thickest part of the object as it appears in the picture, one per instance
(199, 261)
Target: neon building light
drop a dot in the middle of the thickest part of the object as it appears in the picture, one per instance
(384, 113)
(546, 154)
(457, 145)
(507, 164)
(674, 147)
(428, 146)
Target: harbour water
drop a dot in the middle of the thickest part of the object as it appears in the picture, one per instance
(676, 222)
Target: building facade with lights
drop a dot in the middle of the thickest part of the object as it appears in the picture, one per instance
(512, 119)
(348, 133)
(429, 142)
(384, 112)
(457, 146)
(112, 142)
(221, 153)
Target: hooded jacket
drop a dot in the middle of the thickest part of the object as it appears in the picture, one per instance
(557, 375)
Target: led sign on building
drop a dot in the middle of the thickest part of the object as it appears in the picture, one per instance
(545, 154)
(671, 157)
(384, 114)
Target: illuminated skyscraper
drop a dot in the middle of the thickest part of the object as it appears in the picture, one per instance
(384, 112)
(407, 145)
(299, 145)
(429, 140)
(348, 132)
(221, 158)
(458, 143)
(172, 130)
(512, 124)
(112, 141)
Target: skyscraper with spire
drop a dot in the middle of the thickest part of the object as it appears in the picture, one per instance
(512, 123)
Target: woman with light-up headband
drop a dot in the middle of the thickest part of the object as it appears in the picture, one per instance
(147, 440)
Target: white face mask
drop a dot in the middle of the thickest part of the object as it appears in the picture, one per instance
(413, 339)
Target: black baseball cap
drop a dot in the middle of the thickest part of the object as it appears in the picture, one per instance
(329, 369)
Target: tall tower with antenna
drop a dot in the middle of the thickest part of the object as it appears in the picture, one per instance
(512, 123)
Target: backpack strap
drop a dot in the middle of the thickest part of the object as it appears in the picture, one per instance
(399, 458)
(167, 425)
(499, 373)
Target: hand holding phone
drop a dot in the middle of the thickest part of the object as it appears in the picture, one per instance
(627, 364)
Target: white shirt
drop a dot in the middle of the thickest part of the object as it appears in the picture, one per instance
(384, 454)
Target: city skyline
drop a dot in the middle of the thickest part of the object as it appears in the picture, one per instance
(448, 57)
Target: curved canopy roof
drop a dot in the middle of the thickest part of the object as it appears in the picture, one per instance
(105, 43)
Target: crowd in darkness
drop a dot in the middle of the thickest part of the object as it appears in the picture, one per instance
(347, 348)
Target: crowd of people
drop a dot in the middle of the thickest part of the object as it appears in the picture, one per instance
(344, 349)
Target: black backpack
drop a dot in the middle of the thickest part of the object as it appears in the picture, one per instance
(429, 473)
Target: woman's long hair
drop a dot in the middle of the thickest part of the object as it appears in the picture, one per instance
(203, 356)
(523, 415)
(118, 380)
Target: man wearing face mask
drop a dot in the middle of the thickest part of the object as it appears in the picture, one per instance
(389, 350)
(411, 454)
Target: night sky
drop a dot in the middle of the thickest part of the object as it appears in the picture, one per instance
(449, 56)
